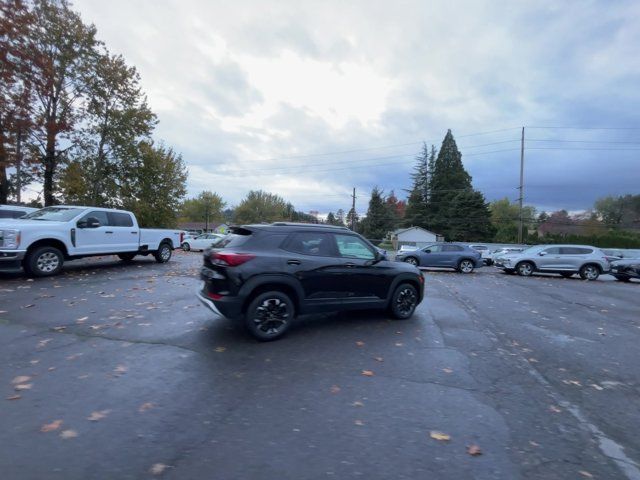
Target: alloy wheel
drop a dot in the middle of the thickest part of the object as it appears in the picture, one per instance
(165, 253)
(406, 301)
(271, 316)
(412, 261)
(525, 269)
(591, 272)
(466, 266)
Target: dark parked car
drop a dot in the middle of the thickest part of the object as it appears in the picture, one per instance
(266, 275)
(448, 255)
(625, 270)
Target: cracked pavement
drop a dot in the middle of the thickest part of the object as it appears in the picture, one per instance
(541, 373)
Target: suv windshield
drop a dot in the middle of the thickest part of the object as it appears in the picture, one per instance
(54, 214)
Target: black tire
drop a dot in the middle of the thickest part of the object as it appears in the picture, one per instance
(163, 254)
(412, 261)
(403, 301)
(525, 269)
(465, 266)
(622, 278)
(589, 272)
(269, 315)
(44, 261)
(509, 272)
(126, 257)
(186, 247)
(567, 274)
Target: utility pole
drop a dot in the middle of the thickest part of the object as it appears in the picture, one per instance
(353, 210)
(521, 187)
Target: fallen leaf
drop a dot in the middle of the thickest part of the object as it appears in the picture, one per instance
(474, 450)
(378, 359)
(360, 423)
(48, 427)
(447, 370)
(120, 369)
(357, 404)
(335, 389)
(443, 437)
(597, 387)
(14, 397)
(158, 468)
(20, 379)
(145, 406)
(23, 386)
(59, 329)
(220, 349)
(555, 409)
(399, 344)
(82, 320)
(98, 415)
(360, 343)
(42, 343)
(30, 305)
(66, 434)
(367, 373)
(585, 474)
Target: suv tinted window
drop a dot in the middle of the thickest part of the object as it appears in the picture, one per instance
(452, 248)
(100, 215)
(552, 251)
(12, 214)
(351, 246)
(433, 248)
(310, 243)
(575, 251)
(117, 219)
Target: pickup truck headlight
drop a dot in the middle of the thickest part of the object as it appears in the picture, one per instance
(9, 238)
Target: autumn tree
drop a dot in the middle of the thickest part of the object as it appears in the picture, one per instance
(63, 61)
(206, 207)
(155, 185)
(259, 206)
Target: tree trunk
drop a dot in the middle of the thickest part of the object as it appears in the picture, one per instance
(49, 169)
(4, 182)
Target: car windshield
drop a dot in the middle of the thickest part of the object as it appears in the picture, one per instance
(54, 214)
(533, 249)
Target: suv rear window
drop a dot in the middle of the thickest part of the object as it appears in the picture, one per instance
(452, 248)
(310, 243)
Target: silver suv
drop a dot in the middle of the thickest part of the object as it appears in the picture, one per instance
(588, 262)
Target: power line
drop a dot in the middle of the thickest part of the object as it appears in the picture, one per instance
(585, 128)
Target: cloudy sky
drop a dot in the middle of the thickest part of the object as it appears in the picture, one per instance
(309, 99)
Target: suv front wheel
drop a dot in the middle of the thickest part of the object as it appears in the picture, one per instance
(404, 301)
(589, 272)
(269, 315)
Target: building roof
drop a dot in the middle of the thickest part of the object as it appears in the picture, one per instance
(401, 230)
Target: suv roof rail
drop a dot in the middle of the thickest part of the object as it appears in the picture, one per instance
(309, 225)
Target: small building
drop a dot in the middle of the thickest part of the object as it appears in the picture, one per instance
(415, 237)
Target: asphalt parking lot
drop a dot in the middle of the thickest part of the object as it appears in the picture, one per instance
(115, 371)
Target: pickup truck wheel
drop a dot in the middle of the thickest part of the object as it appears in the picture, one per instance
(269, 316)
(186, 247)
(44, 262)
(126, 257)
(404, 301)
(163, 255)
(589, 272)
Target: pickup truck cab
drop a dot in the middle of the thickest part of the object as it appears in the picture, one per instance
(43, 240)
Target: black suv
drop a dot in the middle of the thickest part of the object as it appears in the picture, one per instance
(266, 275)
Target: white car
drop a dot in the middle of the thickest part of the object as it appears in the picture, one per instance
(200, 242)
(15, 211)
(43, 240)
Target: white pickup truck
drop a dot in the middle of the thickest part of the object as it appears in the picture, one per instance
(43, 240)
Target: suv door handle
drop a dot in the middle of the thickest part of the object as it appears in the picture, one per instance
(293, 262)
(134, 233)
(350, 265)
(108, 232)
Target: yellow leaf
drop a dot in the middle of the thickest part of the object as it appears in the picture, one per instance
(23, 386)
(360, 343)
(14, 397)
(443, 437)
(220, 349)
(145, 406)
(367, 373)
(48, 427)
(20, 379)
(66, 434)
(158, 468)
(98, 415)
(474, 450)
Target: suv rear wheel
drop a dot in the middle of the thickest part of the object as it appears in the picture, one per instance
(589, 272)
(269, 315)
(466, 266)
(404, 301)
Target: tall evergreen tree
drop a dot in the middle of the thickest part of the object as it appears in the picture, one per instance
(379, 220)
(455, 209)
(416, 208)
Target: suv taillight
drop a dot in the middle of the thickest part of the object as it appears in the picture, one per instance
(229, 259)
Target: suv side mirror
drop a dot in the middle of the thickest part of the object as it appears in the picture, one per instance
(427, 251)
(542, 254)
